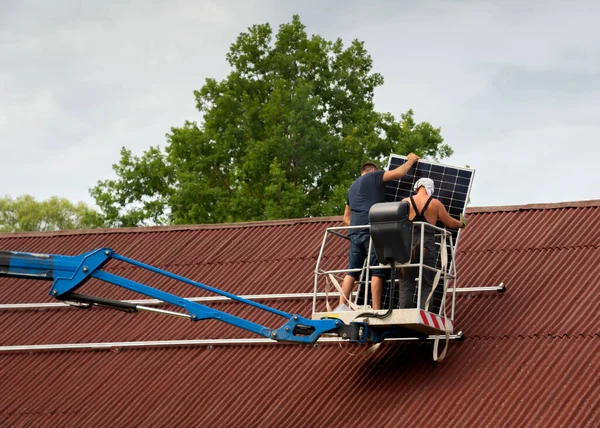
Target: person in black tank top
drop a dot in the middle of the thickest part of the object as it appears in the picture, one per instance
(409, 280)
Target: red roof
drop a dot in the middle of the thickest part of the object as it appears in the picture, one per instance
(531, 355)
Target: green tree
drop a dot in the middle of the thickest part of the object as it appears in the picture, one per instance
(25, 214)
(282, 136)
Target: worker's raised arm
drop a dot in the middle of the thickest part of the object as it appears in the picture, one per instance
(347, 215)
(399, 172)
(448, 221)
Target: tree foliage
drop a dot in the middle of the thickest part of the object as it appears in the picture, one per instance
(282, 136)
(25, 214)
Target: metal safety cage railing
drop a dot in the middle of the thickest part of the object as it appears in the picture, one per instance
(447, 275)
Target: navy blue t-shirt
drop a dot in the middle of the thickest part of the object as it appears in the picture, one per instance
(365, 192)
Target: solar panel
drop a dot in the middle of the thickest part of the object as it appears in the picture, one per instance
(452, 185)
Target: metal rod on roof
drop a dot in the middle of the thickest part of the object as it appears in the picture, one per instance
(162, 311)
(498, 288)
(382, 267)
(15, 306)
(290, 296)
(178, 343)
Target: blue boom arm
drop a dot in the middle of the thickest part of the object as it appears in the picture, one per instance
(68, 273)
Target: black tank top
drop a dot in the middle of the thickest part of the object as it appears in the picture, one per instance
(419, 216)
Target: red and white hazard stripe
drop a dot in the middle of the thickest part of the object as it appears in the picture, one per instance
(435, 321)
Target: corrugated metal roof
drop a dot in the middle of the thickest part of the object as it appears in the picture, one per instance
(530, 359)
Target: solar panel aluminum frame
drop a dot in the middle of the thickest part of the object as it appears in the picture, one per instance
(468, 193)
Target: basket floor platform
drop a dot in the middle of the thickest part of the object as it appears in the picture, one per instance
(417, 320)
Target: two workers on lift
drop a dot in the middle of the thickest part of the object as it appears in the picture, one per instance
(368, 190)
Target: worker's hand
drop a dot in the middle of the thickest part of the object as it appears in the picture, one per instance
(463, 221)
(412, 158)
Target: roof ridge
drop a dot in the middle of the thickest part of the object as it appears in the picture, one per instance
(281, 222)
(537, 206)
(174, 228)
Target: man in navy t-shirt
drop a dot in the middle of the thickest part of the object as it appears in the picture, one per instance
(366, 191)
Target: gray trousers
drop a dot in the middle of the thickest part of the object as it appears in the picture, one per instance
(408, 278)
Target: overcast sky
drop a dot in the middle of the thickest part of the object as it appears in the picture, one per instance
(514, 86)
